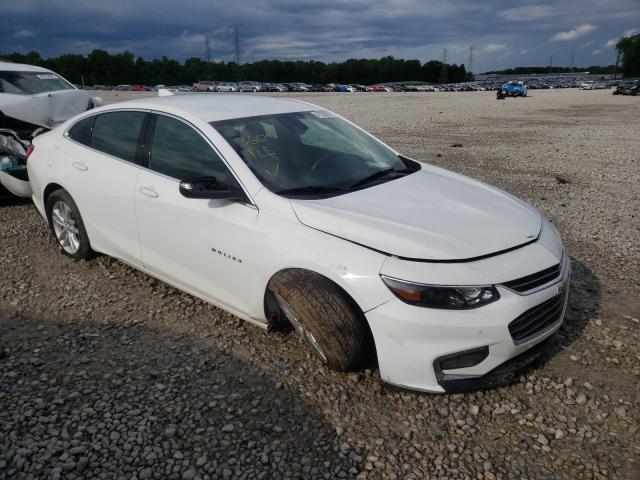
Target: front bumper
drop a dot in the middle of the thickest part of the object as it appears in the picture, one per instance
(411, 341)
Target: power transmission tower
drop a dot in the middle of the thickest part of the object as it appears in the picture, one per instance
(470, 64)
(443, 68)
(236, 44)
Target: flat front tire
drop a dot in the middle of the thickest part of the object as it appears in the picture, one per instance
(324, 316)
(67, 226)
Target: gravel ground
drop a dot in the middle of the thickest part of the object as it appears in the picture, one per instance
(107, 373)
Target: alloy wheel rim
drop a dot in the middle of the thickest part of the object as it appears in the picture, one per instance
(300, 328)
(65, 227)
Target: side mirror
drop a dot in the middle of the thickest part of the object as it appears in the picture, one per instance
(209, 187)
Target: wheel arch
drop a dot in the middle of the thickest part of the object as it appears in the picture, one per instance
(48, 190)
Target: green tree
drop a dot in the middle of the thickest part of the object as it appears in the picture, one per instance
(629, 48)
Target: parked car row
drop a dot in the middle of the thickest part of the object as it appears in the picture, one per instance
(548, 82)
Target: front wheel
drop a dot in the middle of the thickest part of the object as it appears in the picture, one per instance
(67, 226)
(324, 316)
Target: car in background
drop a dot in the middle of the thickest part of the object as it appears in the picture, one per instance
(275, 87)
(201, 86)
(124, 88)
(378, 88)
(226, 87)
(297, 87)
(319, 87)
(628, 87)
(248, 86)
(32, 100)
(140, 88)
(514, 89)
(586, 85)
(286, 212)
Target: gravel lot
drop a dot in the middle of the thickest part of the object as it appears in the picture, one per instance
(108, 373)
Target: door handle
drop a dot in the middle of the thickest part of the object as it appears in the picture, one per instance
(148, 191)
(80, 166)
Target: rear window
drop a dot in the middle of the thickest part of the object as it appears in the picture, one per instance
(29, 83)
(117, 133)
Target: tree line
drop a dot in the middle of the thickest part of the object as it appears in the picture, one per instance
(628, 53)
(102, 67)
(595, 69)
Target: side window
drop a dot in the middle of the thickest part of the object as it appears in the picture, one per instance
(116, 133)
(82, 130)
(178, 151)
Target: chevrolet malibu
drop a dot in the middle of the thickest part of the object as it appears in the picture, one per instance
(277, 210)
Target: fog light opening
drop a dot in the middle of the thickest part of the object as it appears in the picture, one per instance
(465, 359)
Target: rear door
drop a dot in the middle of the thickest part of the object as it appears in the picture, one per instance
(101, 173)
(195, 243)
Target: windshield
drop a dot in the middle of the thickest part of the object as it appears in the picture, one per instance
(29, 83)
(311, 153)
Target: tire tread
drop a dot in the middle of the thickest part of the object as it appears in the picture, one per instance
(327, 311)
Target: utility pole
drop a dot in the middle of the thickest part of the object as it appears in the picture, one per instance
(572, 59)
(470, 64)
(236, 44)
(615, 72)
(207, 49)
(443, 69)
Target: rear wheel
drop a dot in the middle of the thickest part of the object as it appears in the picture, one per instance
(324, 316)
(67, 226)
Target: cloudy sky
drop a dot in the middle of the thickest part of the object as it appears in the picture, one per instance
(504, 33)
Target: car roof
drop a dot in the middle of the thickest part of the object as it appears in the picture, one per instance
(20, 67)
(212, 107)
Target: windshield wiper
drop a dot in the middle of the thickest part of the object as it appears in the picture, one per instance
(309, 190)
(379, 174)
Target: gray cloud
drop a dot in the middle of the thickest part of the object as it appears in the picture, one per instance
(327, 30)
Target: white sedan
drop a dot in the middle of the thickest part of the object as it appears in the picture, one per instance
(282, 211)
(227, 87)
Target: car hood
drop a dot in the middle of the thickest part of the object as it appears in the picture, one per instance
(432, 214)
(46, 109)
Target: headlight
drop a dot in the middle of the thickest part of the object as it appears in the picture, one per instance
(446, 297)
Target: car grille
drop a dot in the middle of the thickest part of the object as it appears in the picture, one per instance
(534, 280)
(537, 319)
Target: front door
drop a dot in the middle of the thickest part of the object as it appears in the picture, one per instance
(195, 243)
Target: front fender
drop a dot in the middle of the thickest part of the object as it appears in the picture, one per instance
(354, 268)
